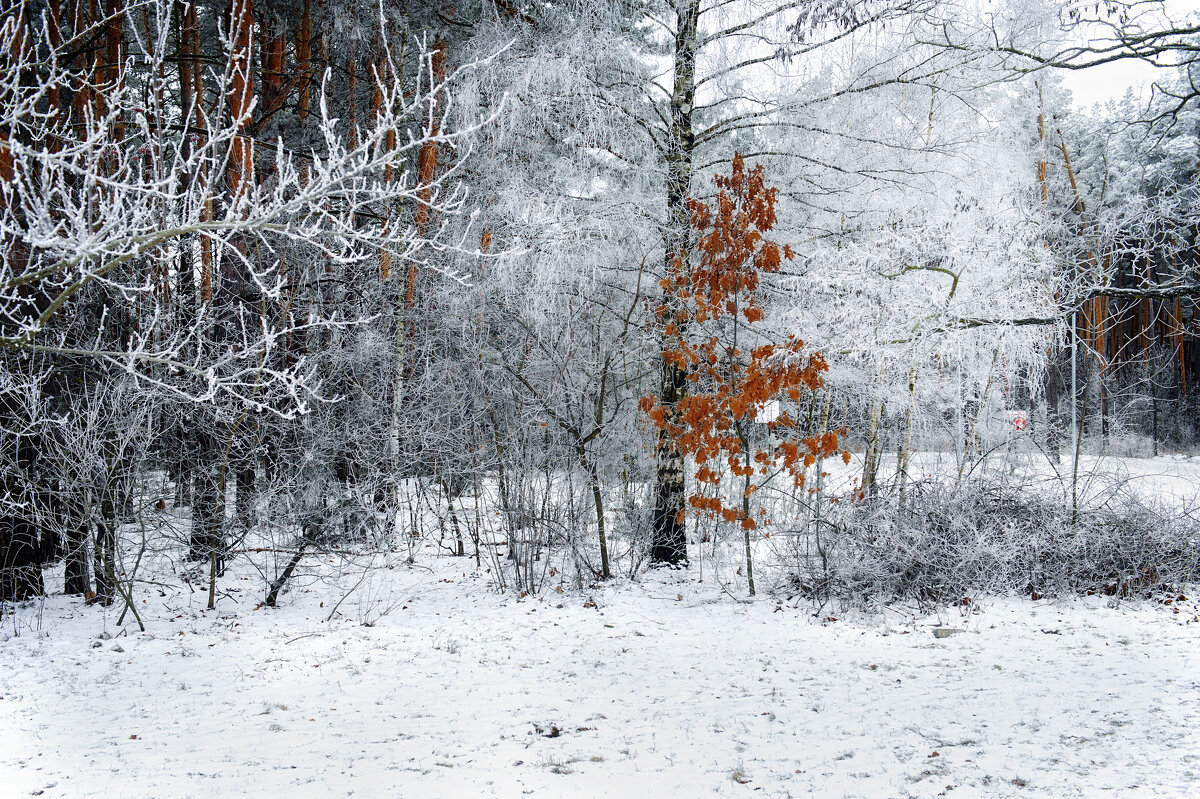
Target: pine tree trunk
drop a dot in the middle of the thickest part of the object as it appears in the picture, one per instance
(304, 61)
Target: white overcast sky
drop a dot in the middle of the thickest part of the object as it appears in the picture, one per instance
(1110, 81)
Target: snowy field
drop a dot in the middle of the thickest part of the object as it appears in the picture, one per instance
(461, 692)
(427, 683)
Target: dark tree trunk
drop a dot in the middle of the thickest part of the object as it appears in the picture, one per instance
(21, 552)
(312, 531)
(668, 541)
(208, 508)
(75, 579)
(1056, 389)
(20, 560)
(181, 473)
(246, 494)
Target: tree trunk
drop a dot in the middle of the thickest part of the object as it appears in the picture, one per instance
(20, 550)
(246, 481)
(239, 170)
(745, 526)
(668, 539)
(104, 549)
(1056, 388)
(20, 560)
(208, 508)
(904, 451)
(312, 532)
(20, 545)
(593, 477)
(304, 38)
(75, 579)
(871, 456)
(427, 161)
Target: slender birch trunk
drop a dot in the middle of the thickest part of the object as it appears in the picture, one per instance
(668, 541)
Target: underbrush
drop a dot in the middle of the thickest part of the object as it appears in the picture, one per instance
(994, 534)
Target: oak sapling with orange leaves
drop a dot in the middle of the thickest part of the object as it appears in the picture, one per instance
(710, 307)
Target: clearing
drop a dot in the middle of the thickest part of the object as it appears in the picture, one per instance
(662, 687)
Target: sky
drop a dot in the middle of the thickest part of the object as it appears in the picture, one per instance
(1109, 81)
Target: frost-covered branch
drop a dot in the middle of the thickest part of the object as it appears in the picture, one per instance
(135, 193)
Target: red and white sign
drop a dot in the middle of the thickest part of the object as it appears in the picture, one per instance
(1018, 419)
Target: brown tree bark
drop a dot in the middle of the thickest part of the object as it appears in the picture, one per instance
(304, 61)
(240, 170)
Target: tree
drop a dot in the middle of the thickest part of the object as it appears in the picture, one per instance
(717, 96)
(731, 375)
(146, 231)
(1060, 35)
(1129, 211)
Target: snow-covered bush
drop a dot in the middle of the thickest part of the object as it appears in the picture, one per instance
(996, 534)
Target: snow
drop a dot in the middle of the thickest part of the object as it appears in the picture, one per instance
(661, 687)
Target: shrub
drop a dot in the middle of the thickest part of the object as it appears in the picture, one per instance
(995, 534)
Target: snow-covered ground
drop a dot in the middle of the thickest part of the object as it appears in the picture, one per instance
(663, 687)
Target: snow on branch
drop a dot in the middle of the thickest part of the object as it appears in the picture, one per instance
(135, 191)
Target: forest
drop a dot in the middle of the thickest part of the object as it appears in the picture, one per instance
(574, 289)
(737, 338)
